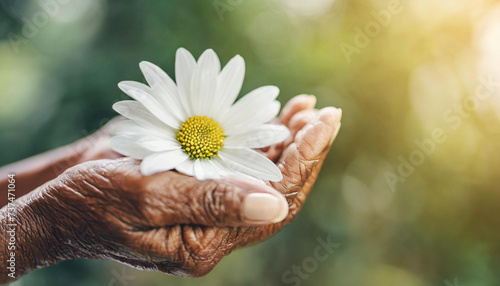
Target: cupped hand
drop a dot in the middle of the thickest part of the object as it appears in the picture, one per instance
(176, 224)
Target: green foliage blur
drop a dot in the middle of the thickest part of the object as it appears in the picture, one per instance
(410, 191)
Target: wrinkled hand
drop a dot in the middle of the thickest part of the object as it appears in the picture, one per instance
(176, 224)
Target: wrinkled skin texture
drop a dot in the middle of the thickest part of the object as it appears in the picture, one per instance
(170, 222)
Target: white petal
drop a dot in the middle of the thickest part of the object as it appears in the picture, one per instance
(229, 82)
(148, 139)
(204, 83)
(159, 162)
(131, 127)
(204, 169)
(146, 98)
(251, 163)
(128, 148)
(211, 57)
(225, 171)
(139, 114)
(147, 142)
(164, 89)
(186, 167)
(241, 123)
(251, 178)
(158, 145)
(135, 85)
(255, 99)
(259, 137)
(251, 103)
(221, 168)
(184, 67)
(127, 126)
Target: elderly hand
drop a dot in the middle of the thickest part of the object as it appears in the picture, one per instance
(171, 222)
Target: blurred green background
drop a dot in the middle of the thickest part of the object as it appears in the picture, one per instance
(410, 191)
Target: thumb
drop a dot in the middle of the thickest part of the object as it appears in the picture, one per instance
(232, 202)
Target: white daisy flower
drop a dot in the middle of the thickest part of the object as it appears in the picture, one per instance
(194, 126)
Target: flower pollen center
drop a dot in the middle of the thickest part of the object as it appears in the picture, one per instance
(201, 137)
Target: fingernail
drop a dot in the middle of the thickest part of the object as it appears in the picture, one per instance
(308, 100)
(339, 111)
(262, 208)
(312, 101)
(330, 115)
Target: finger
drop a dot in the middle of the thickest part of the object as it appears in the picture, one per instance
(295, 204)
(295, 105)
(300, 158)
(300, 120)
(296, 123)
(184, 250)
(227, 202)
(298, 200)
(296, 190)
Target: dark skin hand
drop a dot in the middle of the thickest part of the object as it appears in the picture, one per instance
(169, 222)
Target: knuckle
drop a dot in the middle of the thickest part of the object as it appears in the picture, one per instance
(188, 266)
(203, 263)
(214, 201)
(194, 270)
(196, 263)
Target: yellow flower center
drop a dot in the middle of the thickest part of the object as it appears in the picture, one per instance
(201, 137)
